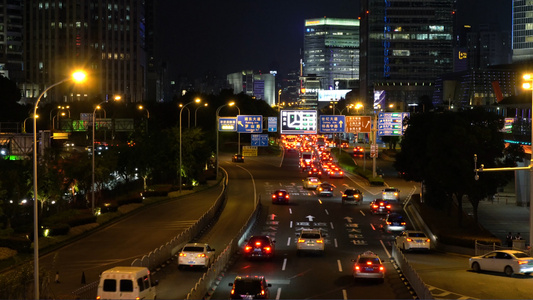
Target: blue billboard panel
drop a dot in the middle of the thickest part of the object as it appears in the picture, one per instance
(227, 124)
(272, 124)
(298, 122)
(250, 123)
(259, 140)
(332, 123)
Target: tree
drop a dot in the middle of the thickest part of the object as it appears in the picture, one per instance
(11, 110)
(438, 149)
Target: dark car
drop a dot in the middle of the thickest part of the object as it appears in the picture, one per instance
(395, 222)
(352, 196)
(314, 172)
(280, 196)
(250, 287)
(237, 158)
(325, 189)
(358, 150)
(260, 246)
(380, 206)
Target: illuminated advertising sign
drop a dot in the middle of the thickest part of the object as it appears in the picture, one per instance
(332, 95)
(298, 122)
(227, 124)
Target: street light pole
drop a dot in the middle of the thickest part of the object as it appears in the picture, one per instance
(217, 117)
(196, 112)
(78, 76)
(93, 187)
(181, 111)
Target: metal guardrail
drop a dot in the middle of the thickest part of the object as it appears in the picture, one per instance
(164, 253)
(203, 286)
(420, 288)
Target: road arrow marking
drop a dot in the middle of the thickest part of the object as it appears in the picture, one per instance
(348, 219)
(310, 218)
(272, 216)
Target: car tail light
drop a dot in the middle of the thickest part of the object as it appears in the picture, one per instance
(388, 206)
(375, 206)
(274, 196)
(258, 244)
(201, 255)
(301, 241)
(523, 262)
(368, 262)
(381, 204)
(356, 267)
(280, 194)
(409, 239)
(344, 195)
(341, 172)
(262, 292)
(395, 194)
(287, 196)
(427, 240)
(388, 222)
(356, 196)
(233, 291)
(183, 254)
(382, 268)
(267, 249)
(247, 248)
(320, 241)
(403, 223)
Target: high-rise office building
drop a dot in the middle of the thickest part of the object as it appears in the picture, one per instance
(405, 45)
(522, 30)
(11, 28)
(331, 52)
(105, 37)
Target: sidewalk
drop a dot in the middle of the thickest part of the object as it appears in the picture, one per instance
(501, 215)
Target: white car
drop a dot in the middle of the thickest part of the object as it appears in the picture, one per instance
(196, 254)
(311, 183)
(507, 261)
(413, 240)
(391, 194)
(310, 240)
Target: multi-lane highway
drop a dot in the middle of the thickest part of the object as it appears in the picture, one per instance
(350, 229)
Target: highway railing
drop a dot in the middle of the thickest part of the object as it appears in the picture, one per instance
(163, 254)
(204, 286)
(420, 288)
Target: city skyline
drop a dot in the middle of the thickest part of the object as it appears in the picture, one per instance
(257, 36)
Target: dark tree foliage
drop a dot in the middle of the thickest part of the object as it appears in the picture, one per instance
(438, 149)
(9, 96)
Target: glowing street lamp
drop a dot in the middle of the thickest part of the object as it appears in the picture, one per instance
(140, 107)
(197, 100)
(216, 114)
(78, 76)
(24, 123)
(93, 187)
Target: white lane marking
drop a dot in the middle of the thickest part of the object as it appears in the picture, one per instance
(339, 265)
(362, 213)
(331, 225)
(335, 242)
(344, 295)
(290, 226)
(327, 212)
(385, 248)
(289, 241)
(290, 211)
(284, 264)
(278, 294)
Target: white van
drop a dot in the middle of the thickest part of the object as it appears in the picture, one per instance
(126, 283)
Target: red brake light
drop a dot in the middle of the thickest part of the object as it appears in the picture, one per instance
(201, 255)
(381, 268)
(273, 196)
(183, 254)
(357, 267)
(523, 262)
(287, 196)
(388, 223)
(247, 249)
(262, 292)
(258, 243)
(427, 240)
(388, 206)
(268, 249)
(281, 194)
(368, 262)
(403, 223)
(381, 204)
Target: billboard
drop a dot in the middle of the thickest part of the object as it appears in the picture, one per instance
(298, 122)
(332, 95)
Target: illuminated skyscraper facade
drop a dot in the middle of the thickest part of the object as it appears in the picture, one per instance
(106, 37)
(522, 30)
(405, 46)
(331, 51)
(11, 28)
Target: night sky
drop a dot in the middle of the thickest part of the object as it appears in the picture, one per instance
(196, 37)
